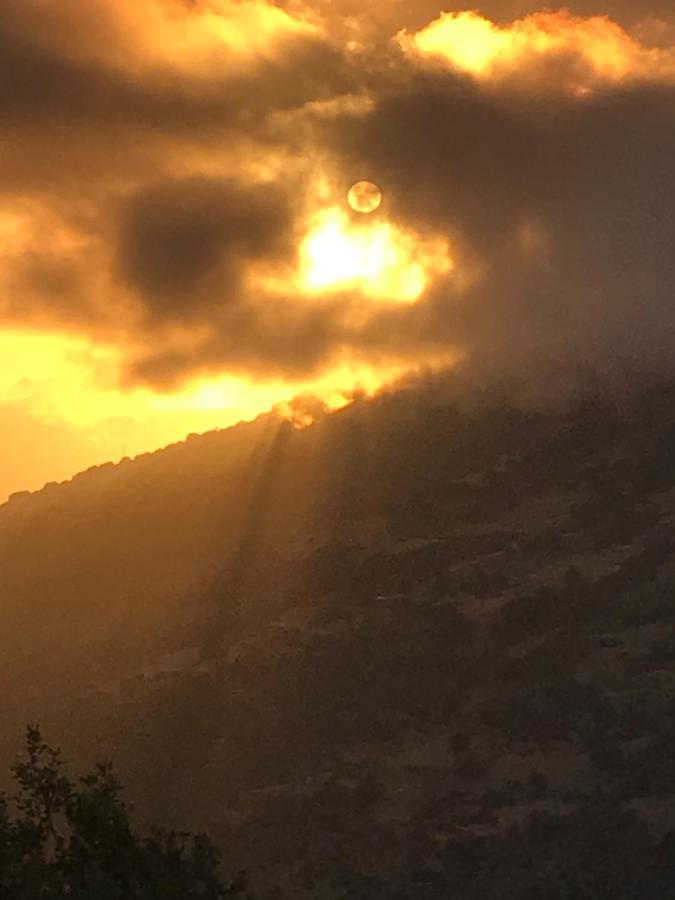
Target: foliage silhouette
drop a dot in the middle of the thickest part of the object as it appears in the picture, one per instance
(73, 838)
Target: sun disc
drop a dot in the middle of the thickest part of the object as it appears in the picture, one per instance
(364, 197)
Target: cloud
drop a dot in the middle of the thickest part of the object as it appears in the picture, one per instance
(551, 50)
(563, 214)
(275, 338)
(113, 110)
(184, 244)
(376, 23)
(165, 164)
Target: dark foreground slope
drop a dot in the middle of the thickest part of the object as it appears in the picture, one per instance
(367, 654)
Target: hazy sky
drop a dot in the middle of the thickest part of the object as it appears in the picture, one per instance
(178, 252)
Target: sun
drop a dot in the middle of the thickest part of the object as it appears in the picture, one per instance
(364, 197)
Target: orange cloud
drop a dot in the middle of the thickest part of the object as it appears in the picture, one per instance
(598, 50)
(378, 259)
(175, 241)
(136, 36)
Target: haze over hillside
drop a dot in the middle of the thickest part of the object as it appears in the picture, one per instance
(419, 648)
(360, 651)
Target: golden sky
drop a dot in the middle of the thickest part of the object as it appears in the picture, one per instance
(178, 251)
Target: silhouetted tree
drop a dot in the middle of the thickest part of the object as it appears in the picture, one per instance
(73, 838)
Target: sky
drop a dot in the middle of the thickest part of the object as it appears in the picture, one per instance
(178, 252)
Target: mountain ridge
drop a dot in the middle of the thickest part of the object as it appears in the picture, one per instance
(358, 650)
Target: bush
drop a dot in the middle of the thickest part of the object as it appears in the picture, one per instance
(64, 838)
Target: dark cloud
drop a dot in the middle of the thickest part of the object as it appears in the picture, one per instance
(566, 210)
(89, 122)
(562, 211)
(184, 244)
(46, 79)
(83, 123)
(274, 337)
(41, 281)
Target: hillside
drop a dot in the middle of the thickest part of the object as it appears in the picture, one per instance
(367, 653)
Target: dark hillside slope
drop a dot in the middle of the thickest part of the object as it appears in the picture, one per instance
(367, 651)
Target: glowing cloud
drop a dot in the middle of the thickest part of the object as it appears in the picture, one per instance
(476, 45)
(247, 29)
(380, 260)
(137, 37)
